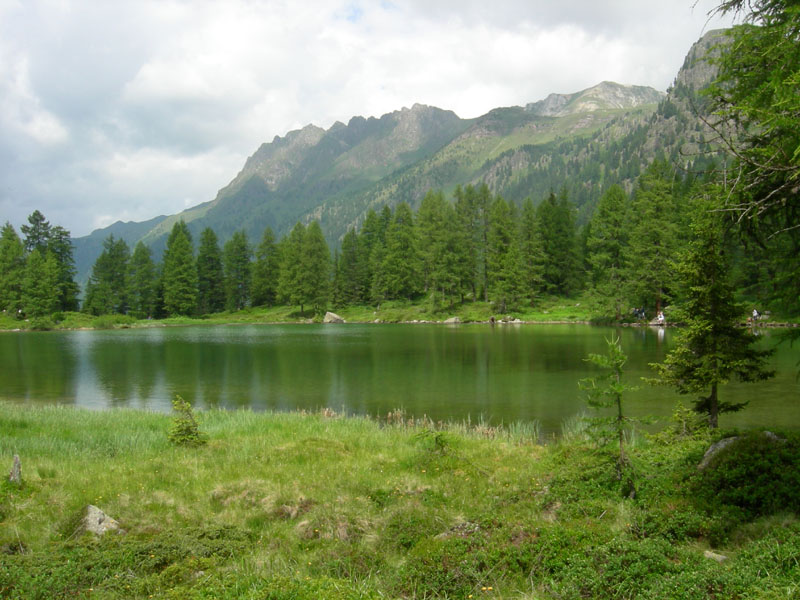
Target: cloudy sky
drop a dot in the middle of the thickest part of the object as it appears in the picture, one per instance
(125, 110)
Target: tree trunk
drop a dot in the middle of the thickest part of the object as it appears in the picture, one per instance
(713, 407)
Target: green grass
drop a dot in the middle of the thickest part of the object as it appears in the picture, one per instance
(318, 506)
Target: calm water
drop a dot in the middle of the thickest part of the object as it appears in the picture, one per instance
(502, 374)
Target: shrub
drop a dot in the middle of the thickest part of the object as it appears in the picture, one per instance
(185, 430)
(758, 474)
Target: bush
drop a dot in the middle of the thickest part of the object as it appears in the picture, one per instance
(758, 474)
(184, 430)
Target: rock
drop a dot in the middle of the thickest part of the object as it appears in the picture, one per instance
(97, 522)
(714, 556)
(715, 449)
(15, 476)
(719, 446)
(452, 320)
(332, 318)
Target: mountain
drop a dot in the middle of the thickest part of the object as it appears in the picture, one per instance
(582, 142)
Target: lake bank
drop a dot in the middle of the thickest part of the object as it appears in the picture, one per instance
(307, 506)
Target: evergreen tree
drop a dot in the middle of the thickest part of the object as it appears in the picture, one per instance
(107, 289)
(143, 278)
(433, 233)
(210, 279)
(531, 251)
(401, 264)
(712, 348)
(60, 245)
(236, 257)
(379, 288)
(350, 271)
(37, 232)
(606, 247)
(372, 233)
(266, 270)
(291, 251)
(466, 223)
(556, 226)
(179, 274)
(40, 284)
(504, 259)
(653, 237)
(315, 268)
(12, 270)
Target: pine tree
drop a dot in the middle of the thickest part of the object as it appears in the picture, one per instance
(266, 271)
(210, 279)
(142, 276)
(712, 348)
(504, 259)
(236, 259)
(12, 270)
(433, 233)
(179, 275)
(607, 247)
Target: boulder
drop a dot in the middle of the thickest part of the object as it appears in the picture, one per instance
(452, 320)
(720, 446)
(97, 522)
(332, 318)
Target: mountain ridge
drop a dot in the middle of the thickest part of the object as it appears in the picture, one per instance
(586, 140)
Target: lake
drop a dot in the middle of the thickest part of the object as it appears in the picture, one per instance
(499, 373)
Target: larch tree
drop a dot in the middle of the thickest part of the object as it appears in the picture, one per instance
(143, 276)
(606, 247)
(12, 270)
(266, 270)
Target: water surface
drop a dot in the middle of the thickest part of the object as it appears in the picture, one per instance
(501, 374)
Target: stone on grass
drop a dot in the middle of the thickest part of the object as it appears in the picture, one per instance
(452, 320)
(97, 522)
(331, 317)
(15, 476)
(720, 558)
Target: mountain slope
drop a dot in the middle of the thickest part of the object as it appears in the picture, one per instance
(583, 142)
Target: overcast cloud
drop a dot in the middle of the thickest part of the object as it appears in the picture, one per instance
(115, 110)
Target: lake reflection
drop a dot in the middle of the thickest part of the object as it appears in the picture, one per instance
(502, 373)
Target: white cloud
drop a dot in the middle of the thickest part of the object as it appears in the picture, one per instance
(130, 109)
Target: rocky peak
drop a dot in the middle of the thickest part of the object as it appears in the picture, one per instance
(603, 96)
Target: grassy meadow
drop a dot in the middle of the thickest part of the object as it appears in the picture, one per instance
(302, 506)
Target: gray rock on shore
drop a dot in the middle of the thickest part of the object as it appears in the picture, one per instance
(331, 317)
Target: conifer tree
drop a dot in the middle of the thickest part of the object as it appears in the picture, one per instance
(315, 268)
(266, 270)
(36, 232)
(179, 274)
(289, 282)
(12, 270)
(530, 251)
(401, 264)
(210, 275)
(40, 284)
(60, 245)
(712, 348)
(504, 259)
(108, 286)
(653, 237)
(433, 233)
(556, 225)
(350, 271)
(236, 258)
(143, 277)
(607, 248)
